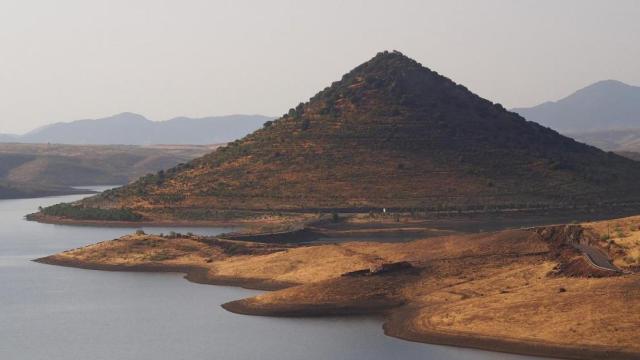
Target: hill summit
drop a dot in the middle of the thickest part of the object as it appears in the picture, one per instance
(391, 133)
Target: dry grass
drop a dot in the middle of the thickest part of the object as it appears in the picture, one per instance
(621, 237)
(487, 286)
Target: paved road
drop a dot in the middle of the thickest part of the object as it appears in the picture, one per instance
(597, 257)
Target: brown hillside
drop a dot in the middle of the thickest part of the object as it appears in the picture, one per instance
(391, 133)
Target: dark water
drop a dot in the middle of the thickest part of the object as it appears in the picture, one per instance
(55, 313)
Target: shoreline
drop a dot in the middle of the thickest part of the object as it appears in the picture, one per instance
(396, 321)
(194, 274)
(44, 219)
(397, 326)
(436, 222)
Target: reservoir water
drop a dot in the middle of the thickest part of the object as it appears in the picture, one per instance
(56, 313)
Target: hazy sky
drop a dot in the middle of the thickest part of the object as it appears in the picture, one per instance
(71, 59)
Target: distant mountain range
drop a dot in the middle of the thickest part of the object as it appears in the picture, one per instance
(605, 114)
(7, 138)
(603, 106)
(134, 129)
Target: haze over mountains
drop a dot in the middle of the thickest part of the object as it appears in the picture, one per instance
(134, 129)
(7, 138)
(612, 140)
(19, 191)
(605, 105)
(605, 114)
(390, 133)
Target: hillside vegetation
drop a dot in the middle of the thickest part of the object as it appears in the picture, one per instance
(391, 133)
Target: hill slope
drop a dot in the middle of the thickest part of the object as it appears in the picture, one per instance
(605, 105)
(134, 129)
(37, 169)
(390, 133)
(611, 140)
(22, 191)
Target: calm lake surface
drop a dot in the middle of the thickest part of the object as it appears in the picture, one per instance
(56, 313)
